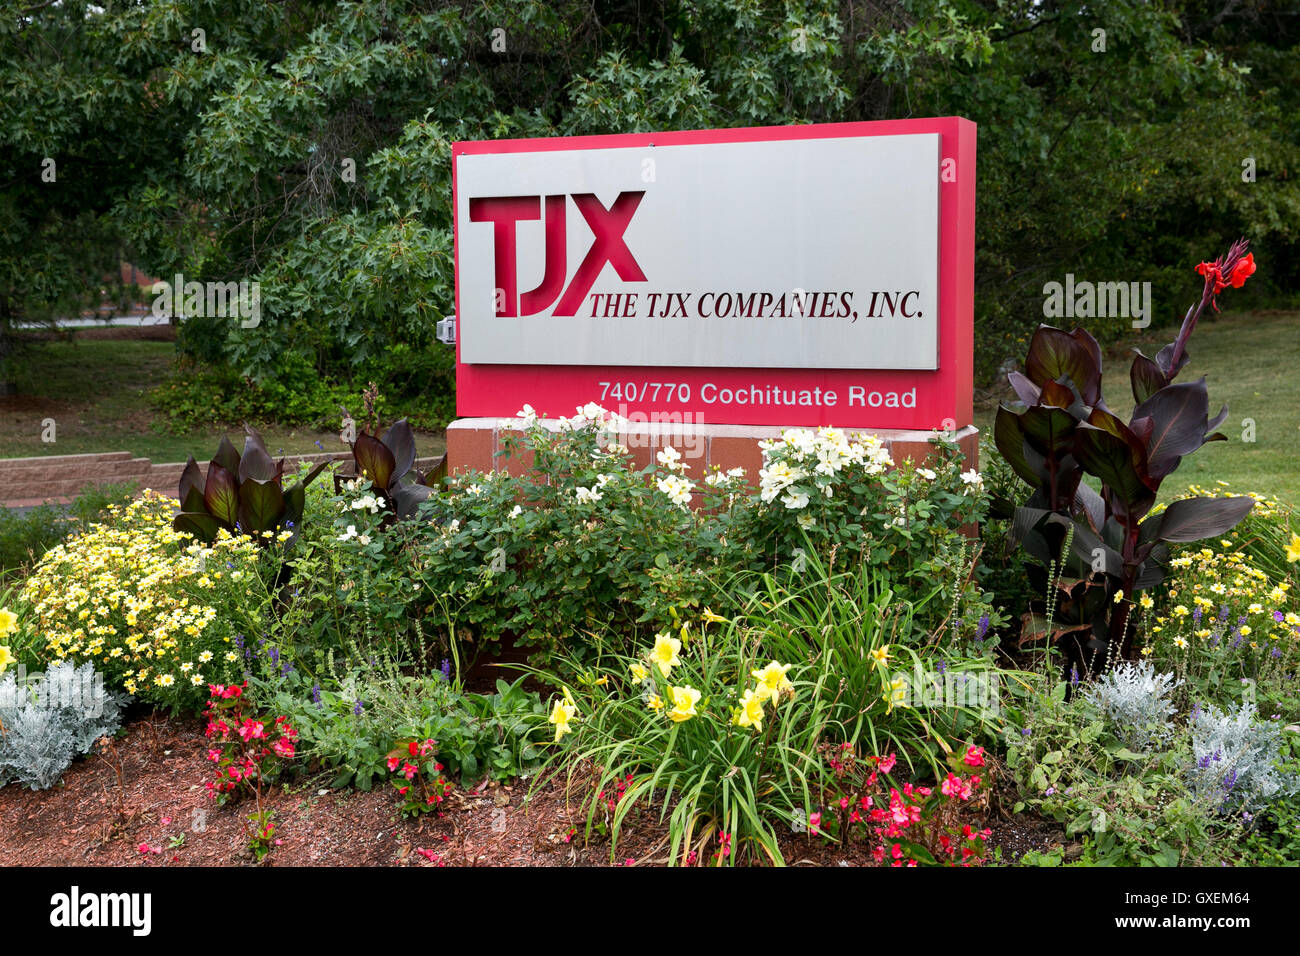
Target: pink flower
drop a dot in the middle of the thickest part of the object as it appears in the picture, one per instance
(950, 786)
(896, 852)
(393, 762)
(409, 770)
(284, 747)
(814, 822)
(974, 757)
(887, 763)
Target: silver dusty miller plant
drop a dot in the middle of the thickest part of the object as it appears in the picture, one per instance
(1134, 701)
(1235, 760)
(48, 719)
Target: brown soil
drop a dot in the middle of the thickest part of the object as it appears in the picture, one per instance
(142, 803)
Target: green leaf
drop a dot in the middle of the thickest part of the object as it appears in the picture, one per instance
(260, 505)
(221, 494)
(1193, 519)
(374, 460)
(199, 524)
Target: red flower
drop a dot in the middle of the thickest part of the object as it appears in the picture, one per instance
(1243, 270)
(393, 762)
(1211, 272)
(974, 757)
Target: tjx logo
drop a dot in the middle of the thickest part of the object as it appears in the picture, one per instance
(608, 225)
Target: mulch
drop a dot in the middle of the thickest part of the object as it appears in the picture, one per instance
(143, 803)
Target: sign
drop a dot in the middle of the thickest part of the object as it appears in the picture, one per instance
(785, 275)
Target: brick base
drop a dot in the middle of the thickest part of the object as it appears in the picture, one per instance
(472, 444)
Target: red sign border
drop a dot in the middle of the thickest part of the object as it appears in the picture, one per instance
(944, 395)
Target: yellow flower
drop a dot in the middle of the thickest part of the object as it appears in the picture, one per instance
(1245, 630)
(8, 622)
(881, 655)
(1119, 596)
(655, 703)
(772, 680)
(1293, 549)
(684, 701)
(563, 714)
(639, 673)
(1146, 602)
(1180, 642)
(713, 618)
(6, 658)
(664, 655)
(896, 694)
(750, 712)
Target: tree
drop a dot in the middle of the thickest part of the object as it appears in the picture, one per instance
(306, 145)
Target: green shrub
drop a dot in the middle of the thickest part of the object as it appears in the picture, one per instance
(350, 708)
(584, 544)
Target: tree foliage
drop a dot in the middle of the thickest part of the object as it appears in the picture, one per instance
(305, 144)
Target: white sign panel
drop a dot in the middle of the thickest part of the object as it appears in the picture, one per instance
(803, 253)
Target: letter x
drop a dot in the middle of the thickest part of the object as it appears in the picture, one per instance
(608, 225)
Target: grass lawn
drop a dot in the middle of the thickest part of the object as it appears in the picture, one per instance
(97, 392)
(1251, 361)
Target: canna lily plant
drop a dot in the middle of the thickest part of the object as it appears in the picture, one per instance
(1060, 429)
(388, 461)
(241, 494)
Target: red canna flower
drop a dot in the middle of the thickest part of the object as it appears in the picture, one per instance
(1243, 270)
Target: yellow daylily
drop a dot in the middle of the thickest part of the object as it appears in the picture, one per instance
(639, 673)
(772, 680)
(684, 701)
(6, 658)
(664, 654)
(713, 618)
(1293, 549)
(896, 694)
(881, 655)
(655, 703)
(563, 714)
(8, 622)
(750, 712)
